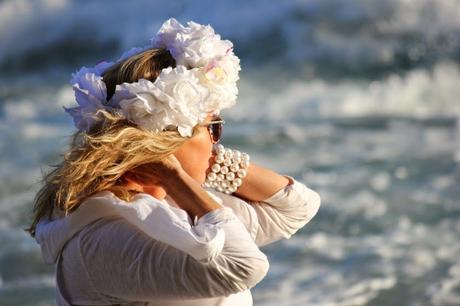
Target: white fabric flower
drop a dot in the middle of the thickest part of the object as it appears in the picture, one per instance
(203, 81)
(220, 77)
(141, 107)
(90, 94)
(231, 65)
(182, 91)
(176, 98)
(98, 70)
(192, 46)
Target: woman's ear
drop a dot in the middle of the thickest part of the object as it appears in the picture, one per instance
(130, 178)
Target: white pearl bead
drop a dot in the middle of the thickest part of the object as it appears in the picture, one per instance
(236, 160)
(230, 176)
(219, 159)
(219, 148)
(241, 173)
(234, 167)
(228, 153)
(244, 164)
(215, 168)
(229, 167)
(238, 182)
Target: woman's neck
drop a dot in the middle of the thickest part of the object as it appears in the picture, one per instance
(155, 191)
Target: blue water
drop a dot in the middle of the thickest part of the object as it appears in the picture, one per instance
(357, 99)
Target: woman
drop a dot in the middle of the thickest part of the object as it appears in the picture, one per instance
(146, 208)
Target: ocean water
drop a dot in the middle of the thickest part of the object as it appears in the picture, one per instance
(360, 100)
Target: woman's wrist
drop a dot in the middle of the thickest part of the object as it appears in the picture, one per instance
(261, 183)
(228, 170)
(189, 195)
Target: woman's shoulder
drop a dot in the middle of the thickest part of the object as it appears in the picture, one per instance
(146, 219)
(99, 223)
(100, 254)
(107, 242)
(109, 231)
(112, 223)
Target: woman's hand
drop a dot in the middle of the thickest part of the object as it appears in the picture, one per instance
(170, 175)
(156, 174)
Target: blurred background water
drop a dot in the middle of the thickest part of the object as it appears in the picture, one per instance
(357, 99)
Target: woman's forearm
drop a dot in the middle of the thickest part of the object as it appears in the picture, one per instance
(189, 195)
(261, 183)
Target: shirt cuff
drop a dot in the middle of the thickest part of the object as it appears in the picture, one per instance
(214, 217)
(208, 228)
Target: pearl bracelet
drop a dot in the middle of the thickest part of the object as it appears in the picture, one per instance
(229, 169)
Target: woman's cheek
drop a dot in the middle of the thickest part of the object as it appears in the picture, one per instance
(195, 155)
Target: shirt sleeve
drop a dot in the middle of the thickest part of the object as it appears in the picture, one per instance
(285, 212)
(279, 216)
(124, 264)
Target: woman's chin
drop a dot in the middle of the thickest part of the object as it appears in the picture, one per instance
(201, 180)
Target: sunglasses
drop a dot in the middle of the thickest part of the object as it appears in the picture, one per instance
(215, 128)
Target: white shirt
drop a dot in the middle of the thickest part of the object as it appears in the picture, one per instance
(149, 252)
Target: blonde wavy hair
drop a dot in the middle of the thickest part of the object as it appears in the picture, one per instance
(97, 160)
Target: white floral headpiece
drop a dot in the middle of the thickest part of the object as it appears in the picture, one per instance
(203, 81)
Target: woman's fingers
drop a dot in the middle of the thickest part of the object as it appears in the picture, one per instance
(172, 163)
(156, 173)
